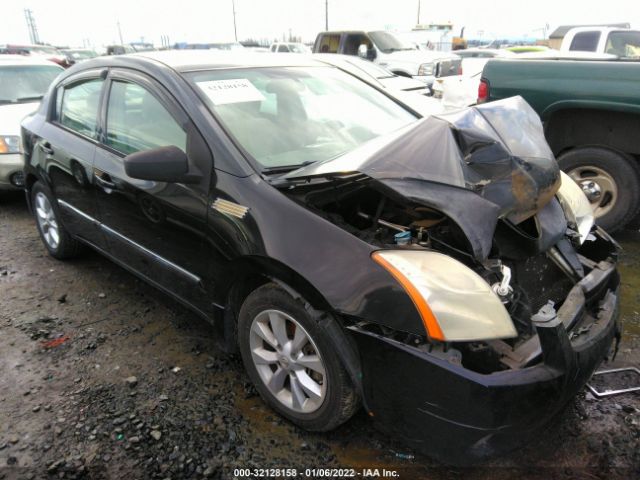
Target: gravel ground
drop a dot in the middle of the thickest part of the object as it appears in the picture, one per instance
(104, 377)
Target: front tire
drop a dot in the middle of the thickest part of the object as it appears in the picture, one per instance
(610, 180)
(58, 242)
(292, 360)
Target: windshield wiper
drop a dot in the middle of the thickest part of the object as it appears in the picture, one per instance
(285, 168)
(28, 99)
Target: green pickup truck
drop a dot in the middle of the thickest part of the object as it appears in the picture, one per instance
(591, 115)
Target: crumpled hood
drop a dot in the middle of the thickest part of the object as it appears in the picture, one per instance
(497, 151)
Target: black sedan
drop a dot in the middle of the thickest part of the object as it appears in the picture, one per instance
(440, 272)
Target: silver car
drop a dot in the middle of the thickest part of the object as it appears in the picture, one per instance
(23, 82)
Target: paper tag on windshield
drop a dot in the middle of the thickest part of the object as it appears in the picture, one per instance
(236, 90)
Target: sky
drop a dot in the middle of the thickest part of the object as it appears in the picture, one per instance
(77, 22)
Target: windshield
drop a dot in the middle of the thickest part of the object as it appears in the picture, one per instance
(299, 48)
(388, 42)
(370, 68)
(25, 83)
(82, 54)
(288, 117)
(624, 44)
(45, 50)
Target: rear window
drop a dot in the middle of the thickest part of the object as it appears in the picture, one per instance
(329, 44)
(585, 41)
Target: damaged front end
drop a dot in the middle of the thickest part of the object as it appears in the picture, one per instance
(516, 287)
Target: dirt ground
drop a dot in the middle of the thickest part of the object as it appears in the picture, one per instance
(73, 334)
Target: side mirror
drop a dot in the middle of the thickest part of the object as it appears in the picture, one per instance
(163, 164)
(367, 53)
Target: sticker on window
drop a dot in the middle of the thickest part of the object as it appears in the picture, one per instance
(236, 90)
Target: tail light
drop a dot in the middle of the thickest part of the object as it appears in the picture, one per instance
(483, 91)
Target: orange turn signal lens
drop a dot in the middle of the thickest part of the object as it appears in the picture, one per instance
(428, 318)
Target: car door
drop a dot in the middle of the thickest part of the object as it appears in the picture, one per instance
(68, 145)
(154, 228)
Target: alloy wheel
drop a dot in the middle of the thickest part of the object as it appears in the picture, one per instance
(47, 221)
(288, 361)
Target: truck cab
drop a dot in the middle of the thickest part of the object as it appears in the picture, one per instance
(387, 50)
(622, 42)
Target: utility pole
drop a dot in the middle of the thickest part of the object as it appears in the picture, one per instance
(235, 30)
(326, 15)
(31, 25)
(418, 12)
(120, 33)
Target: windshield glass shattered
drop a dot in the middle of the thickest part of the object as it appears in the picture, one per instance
(293, 116)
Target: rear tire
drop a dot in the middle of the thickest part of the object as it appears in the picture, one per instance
(611, 181)
(316, 393)
(58, 242)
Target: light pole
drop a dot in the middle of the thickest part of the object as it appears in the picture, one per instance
(418, 23)
(326, 15)
(235, 30)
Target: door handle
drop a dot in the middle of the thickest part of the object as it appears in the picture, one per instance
(46, 148)
(104, 183)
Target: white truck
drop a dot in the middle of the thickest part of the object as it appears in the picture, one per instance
(622, 42)
(388, 51)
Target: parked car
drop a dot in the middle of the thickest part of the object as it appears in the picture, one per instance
(458, 91)
(23, 82)
(289, 47)
(387, 50)
(622, 42)
(44, 52)
(119, 49)
(591, 129)
(75, 55)
(440, 271)
(409, 91)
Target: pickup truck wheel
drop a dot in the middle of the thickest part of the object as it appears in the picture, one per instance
(292, 360)
(610, 180)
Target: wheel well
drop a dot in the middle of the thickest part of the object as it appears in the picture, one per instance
(29, 181)
(570, 128)
(251, 273)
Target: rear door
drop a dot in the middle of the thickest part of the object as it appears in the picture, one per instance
(68, 146)
(155, 228)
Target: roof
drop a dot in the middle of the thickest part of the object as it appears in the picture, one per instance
(562, 30)
(187, 60)
(25, 60)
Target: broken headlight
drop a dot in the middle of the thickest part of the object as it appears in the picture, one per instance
(455, 303)
(576, 206)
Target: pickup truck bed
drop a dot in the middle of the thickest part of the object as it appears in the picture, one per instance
(591, 115)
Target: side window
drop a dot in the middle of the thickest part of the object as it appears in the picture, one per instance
(585, 41)
(78, 106)
(283, 48)
(353, 42)
(137, 121)
(329, 43)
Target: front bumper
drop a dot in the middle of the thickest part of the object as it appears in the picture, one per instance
(460, 416)
(10, 164)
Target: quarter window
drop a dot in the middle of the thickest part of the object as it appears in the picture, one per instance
(136, 120)
(585, 41)
(79, 107)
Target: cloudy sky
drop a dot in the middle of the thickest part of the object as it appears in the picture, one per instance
(72, 22)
